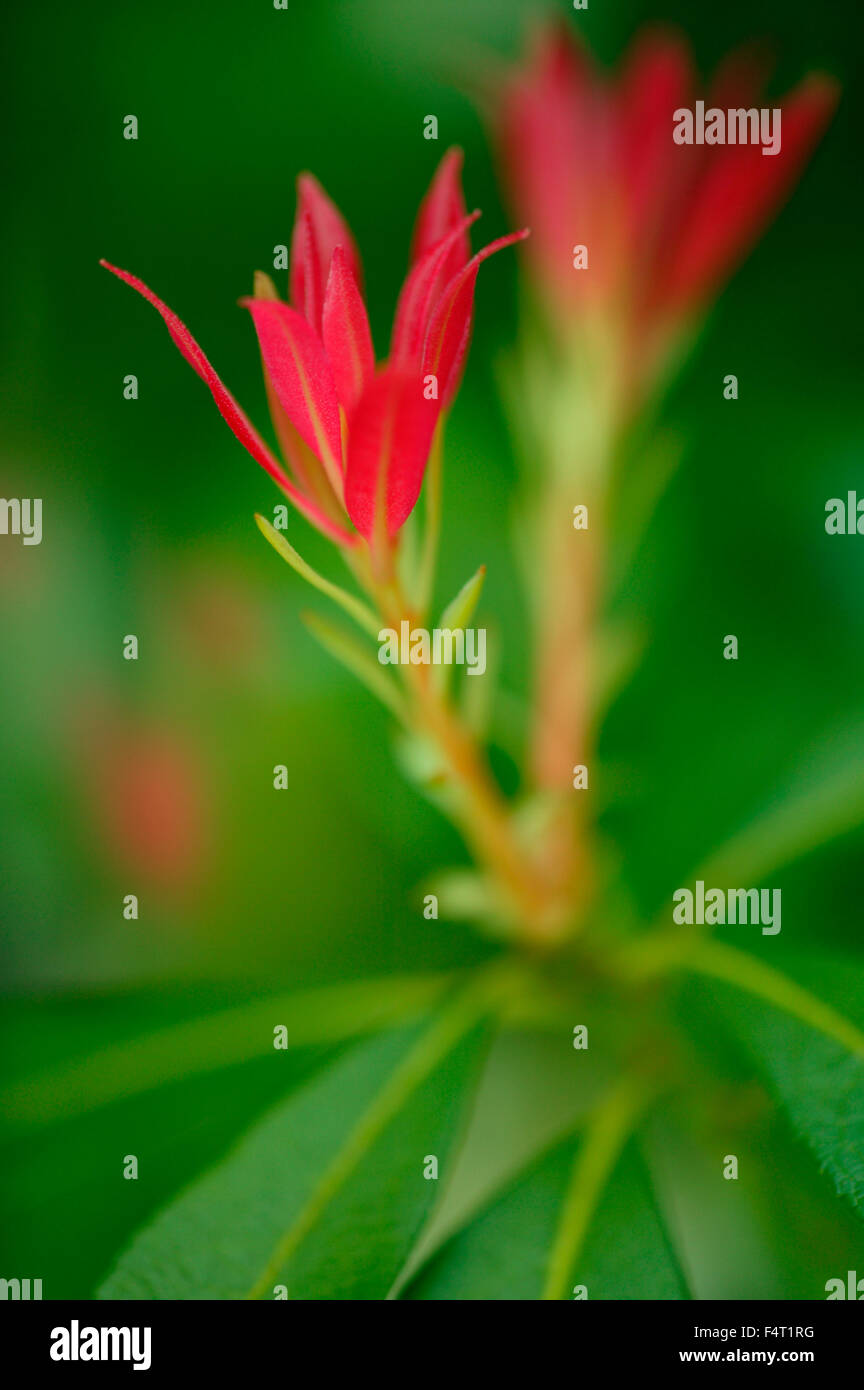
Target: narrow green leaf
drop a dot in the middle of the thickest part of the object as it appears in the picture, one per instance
(357, 660)
(358, 610)
(330, 1014)
(460, 609)
(824, 801)
(455, 618)
(327, 1194)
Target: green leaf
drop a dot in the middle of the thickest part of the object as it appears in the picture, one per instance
(355, 607)
(506, 1253)
(327, 1194)
(358, 660)
(824, 800)
(460, 609)
(329, 1014)
(529, 1098)
(455, 618)
(811, 1056)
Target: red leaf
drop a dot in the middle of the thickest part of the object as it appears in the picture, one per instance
(547, 137)
(388, 447)
(657, 80)
(345, 328)
(442, 209)
(450, 328)
(307, 285)
(318, 229)
(420, 292)
(302, 379)
(739, 191)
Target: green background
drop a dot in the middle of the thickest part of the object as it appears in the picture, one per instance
(148, 529)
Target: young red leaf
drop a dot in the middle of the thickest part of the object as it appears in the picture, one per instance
(302, 379)
(388, 448)
(318, 229)
(420, 292)
(658, 78)
(345, 329)
(442, 209)
(739, 192)
(307, 273)
(547, 130)
(450, 328)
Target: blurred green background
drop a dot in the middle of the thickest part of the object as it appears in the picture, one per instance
(148, 529)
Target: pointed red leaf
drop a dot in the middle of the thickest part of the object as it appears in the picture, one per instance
(302, 379)
(231, 412)
(547, 138)
(657, 80)
(306, 468)
(318, 229)
(442, 209)
(345, 329)
(421, 291)
(307, 272)
(388, 447)
(449, 332)
(739, 191)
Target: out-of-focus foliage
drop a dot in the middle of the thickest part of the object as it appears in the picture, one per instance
(148, 529)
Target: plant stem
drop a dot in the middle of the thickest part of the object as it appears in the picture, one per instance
(570, 569)
(536, 916)
(575, 428)
(486, 822)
